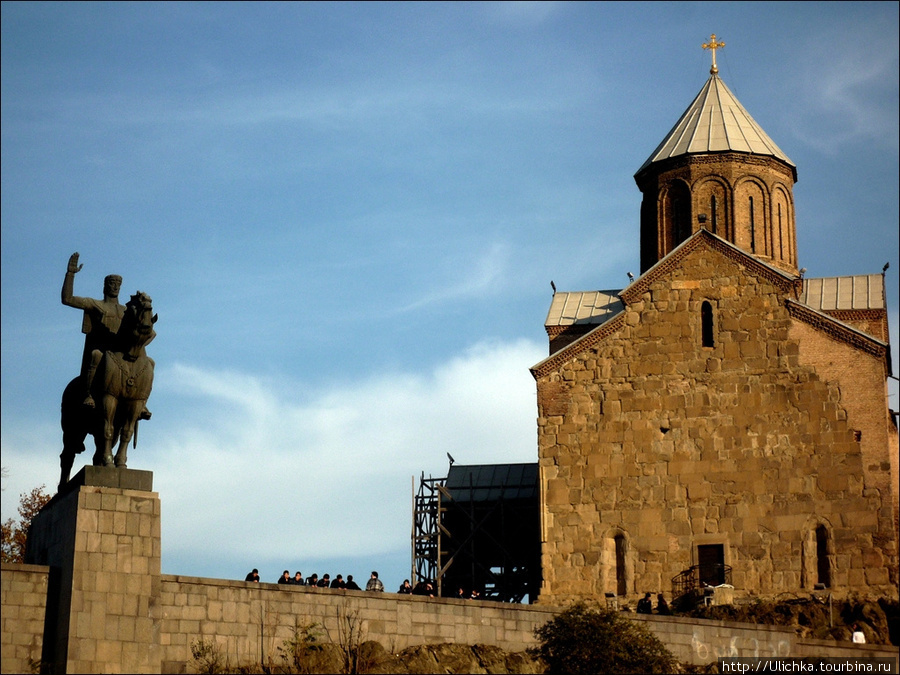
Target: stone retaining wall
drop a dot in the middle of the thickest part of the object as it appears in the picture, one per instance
(23, 597)
(250, 621)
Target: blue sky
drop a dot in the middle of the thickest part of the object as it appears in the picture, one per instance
(348, 217)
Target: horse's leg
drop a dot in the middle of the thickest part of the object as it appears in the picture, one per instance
(66, 460)
(105, 444)
(129, 415)
(71, 447)
(74, 430)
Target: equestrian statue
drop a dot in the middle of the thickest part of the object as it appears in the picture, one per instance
(109, 396)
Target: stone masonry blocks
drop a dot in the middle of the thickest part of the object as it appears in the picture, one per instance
(755, 443)
(100, 535)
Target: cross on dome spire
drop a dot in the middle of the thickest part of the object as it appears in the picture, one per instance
(713, 46)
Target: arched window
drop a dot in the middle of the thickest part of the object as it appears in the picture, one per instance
(676, 215)
(714, 214)
(752, 227)
(823, 571)
(706, 325)
(621, 585)
(780, 235)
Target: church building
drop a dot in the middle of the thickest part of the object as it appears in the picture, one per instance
(723, 420)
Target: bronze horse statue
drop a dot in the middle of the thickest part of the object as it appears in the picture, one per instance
(120, 387)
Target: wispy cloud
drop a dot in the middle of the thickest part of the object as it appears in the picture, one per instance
(285, 453)
(852, 96)
(483, 275)
(521, 12)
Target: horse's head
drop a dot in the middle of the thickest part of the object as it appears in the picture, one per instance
(136, 330)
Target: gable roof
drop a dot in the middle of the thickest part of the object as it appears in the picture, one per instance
(715, 121)
(756, 265)
(606, 313)
(583, 307)
(840, 331)
(858, 292)
(815, 297)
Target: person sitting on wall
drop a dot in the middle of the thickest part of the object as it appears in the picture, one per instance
(645, 605)
(351, 585)
(339, 582)
(285, 578)
(324, 582)
(425, 588)
(312, 580)
(474, 595)
(405, 588)
(253, 576)
(374, 583)
(662, 607)
(298, 579)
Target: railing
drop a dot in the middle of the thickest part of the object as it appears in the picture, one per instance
(699, 577)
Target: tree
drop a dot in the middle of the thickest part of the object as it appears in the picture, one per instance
(15, 534)
(582, 640)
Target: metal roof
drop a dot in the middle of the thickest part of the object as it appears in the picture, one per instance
(863, 291)
(492, 482)
(715, 122)
(583, 307)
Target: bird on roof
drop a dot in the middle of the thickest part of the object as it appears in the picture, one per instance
(553, 286)
(450, 457)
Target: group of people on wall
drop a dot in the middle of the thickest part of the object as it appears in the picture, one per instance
(373, 584)
(423, 588)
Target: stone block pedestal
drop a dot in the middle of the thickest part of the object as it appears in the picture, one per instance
(100, 536)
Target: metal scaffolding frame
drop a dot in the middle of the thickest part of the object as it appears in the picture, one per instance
(478, 528)
(426, 529)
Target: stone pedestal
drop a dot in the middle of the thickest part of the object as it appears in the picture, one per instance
(100, 536)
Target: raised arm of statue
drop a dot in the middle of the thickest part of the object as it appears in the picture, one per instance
(68, 288)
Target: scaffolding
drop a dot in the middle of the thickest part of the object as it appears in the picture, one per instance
(426, 529)
(478, 529)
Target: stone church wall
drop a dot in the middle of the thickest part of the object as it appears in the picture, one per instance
(863, 387)
(652, 440)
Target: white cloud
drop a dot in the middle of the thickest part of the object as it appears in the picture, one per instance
(255, 469)
(330, 474)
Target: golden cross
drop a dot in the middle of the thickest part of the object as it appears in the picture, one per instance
(713, 45)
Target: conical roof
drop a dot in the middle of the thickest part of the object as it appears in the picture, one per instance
(716, 122)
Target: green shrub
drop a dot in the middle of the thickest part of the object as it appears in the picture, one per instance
(582, 640)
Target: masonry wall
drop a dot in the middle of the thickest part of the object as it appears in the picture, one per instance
(767, 230)
(647, 435)
(23, 597)
(250, 621)
(100, 538)
(861, 379)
